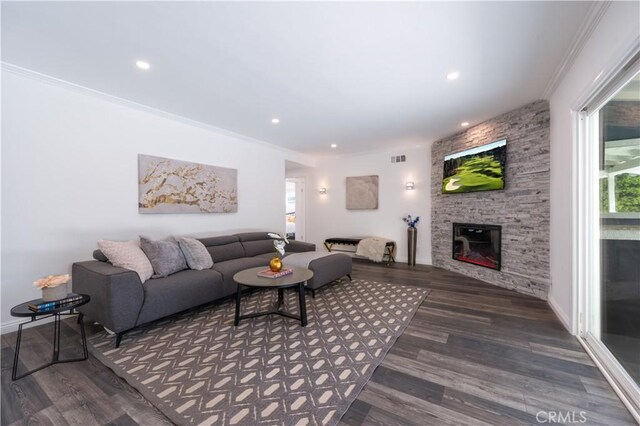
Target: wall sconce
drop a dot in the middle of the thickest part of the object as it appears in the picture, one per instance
(322, 191)
(409, 186)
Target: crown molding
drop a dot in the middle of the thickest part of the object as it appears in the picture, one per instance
(308, 160)
(53, 81)
(589, 24)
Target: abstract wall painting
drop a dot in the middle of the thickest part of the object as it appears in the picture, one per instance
(174, 186)
(362, 192)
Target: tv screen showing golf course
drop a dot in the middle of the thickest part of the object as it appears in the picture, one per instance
(476, 169)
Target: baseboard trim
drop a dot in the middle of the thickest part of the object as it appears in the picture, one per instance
(611, 378)
(419, 261)
(562, 316)
(399, 259)
(12, 325)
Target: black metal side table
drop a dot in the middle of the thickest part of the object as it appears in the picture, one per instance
(57, 312)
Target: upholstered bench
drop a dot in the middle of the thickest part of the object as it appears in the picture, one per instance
(329, 243)
(326, 267)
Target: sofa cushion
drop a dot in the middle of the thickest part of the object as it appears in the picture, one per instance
(195, 253)
(254, 248)
(257, 243)
(165, 256)
(223, 248)
(268, 256)
(128, 255)
(299, 246)
(252, 236)
(230, 267)
(175, 293)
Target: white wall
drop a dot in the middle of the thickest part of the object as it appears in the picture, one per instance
(327, 215)
(69, 178)
(613, 36)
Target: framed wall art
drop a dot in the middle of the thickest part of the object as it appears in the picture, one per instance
(173, 186)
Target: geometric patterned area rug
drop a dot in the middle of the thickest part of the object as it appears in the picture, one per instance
(199, 369)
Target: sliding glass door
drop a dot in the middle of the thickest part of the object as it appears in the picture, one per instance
(619, 189)
(611, 228)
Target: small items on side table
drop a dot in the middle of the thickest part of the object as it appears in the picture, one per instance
(39, 309)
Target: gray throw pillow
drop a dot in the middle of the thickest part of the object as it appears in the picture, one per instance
(196, 253)
(165, 256)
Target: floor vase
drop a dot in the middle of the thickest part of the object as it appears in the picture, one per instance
(412, 239)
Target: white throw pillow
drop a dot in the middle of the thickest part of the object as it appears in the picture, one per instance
(196, 253)
(128, 255)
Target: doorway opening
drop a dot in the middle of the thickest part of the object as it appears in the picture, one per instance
(295, 209)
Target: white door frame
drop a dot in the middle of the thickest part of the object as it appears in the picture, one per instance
(301, 204)
(587, 230)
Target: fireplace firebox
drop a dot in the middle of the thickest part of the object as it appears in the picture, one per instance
(477, 244)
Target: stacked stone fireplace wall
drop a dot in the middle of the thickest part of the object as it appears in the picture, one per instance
(522, 208)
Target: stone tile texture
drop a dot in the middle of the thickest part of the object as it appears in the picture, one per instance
(522, 208)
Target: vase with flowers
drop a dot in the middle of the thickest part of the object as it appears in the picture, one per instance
(279, 243)
(54, 287)
(412, 238)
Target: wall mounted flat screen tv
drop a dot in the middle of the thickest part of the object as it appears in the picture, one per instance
(477, 169)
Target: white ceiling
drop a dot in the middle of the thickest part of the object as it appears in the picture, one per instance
(363, 75)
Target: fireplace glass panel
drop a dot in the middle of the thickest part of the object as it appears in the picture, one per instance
(477, 244)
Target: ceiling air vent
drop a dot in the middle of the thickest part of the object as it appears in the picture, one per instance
(398, 158)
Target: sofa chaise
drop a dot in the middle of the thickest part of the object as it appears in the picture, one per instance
(121, 302)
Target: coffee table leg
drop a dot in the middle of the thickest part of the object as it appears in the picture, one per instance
(303, 305)
(280, 299)
(238, 294)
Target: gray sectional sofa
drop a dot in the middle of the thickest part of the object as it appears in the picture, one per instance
(121, 302)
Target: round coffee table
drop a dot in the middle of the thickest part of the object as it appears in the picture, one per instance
(22, 310)
(250, 278)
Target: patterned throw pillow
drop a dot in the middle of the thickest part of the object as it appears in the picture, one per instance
(196, 253)
(165, 256)
(129, 255)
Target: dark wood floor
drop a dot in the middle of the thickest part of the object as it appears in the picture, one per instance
(473, 354)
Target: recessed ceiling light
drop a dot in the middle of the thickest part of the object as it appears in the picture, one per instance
(333, 145)
(275, 120)
(464, 124)
(143, 65)
(453, 75)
